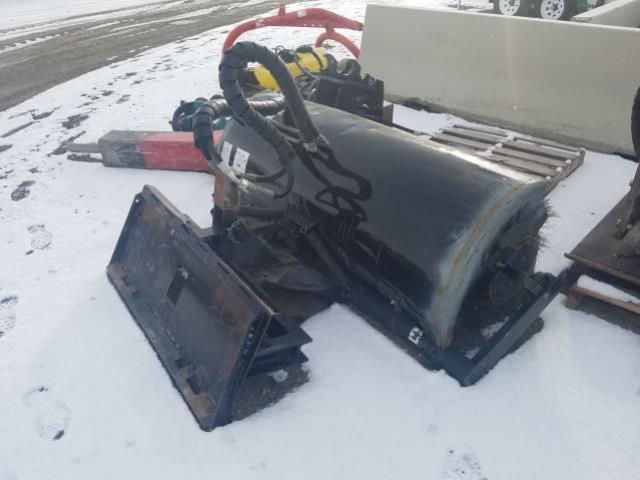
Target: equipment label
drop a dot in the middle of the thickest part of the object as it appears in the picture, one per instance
(234, 157)
(415, 335)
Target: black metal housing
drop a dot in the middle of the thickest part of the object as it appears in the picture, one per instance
(434, 247)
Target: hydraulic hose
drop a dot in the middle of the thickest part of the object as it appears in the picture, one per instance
(231, 65)
(208, 113)
(230, 70)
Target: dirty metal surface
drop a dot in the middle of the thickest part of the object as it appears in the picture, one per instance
(602, 251)
(545, 159)
(204, 322)
(487, 336)
(606, 257)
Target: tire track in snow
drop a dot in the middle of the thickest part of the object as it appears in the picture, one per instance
(74, 49)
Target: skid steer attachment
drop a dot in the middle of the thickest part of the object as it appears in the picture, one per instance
(610, 254)
(434, 247)
(209, 328)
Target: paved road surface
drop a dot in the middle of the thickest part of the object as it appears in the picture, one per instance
(35, 58)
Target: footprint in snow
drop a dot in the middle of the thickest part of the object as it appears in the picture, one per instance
(52, 422)
(461, 463)
(7, 314)
(22, 191)
(38, 397)
(52, 417)
(42, 237)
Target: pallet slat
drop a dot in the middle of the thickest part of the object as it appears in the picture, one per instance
(541, 158)
(540, 149)
(550, 162)
(524, 166)
(488, 138)
(484, 128)
(451, 140)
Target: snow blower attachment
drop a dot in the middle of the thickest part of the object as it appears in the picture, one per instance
(315, 205)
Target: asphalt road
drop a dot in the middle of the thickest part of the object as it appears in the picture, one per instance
(38, 57)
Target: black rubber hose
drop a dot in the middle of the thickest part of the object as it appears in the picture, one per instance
(229, 73)
(208, 113)
(175, 120)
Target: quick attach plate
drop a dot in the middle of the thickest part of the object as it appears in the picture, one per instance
(204, 322)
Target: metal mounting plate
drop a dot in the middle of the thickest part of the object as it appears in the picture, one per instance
(204, 322)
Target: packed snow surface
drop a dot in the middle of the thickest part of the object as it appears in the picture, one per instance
(25, 12)
(83, 396)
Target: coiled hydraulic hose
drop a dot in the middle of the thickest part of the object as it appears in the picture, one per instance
(229, 73)
(208, 113)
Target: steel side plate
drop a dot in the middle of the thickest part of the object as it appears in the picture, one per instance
(202, 320)
(600, 250)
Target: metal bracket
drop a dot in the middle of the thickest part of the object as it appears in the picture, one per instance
(209, 327)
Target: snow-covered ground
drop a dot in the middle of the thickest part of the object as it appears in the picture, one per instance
(564, 406)
(25, 12)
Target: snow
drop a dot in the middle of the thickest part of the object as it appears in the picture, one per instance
(564, 406)
(25, 12)
(609, 290)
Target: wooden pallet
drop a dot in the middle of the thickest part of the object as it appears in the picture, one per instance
(623, 313)
(538, 157)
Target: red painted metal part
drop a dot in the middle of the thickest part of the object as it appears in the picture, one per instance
(309, 17)
(331, 34)
(174, 151)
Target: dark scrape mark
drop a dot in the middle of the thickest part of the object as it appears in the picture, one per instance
(16, 129)
(22, 191)
(130, 74)
(137, 82)
(4, 148)
(28, 252)
(21, 114)
(6, 174)
(7, 314)
(34, 170)
(106, 93)
(84, 157)
(74, 120)
(11, 299)
(58, 435)
(40, 116)
(62, 148)
(123, 98)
